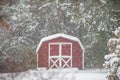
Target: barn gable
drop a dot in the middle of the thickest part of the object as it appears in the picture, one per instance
(56, 36)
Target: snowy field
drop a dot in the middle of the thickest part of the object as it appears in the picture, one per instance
(56, 74)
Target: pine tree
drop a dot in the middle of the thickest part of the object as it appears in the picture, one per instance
(112, 60)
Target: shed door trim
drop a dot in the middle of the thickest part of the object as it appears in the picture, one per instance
(59, 59)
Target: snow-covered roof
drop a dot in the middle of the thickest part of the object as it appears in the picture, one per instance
(56, 36)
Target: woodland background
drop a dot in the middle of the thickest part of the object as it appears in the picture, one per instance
(23, 23)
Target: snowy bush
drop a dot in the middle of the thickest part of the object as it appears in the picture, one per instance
(18, 59)
(112, 62)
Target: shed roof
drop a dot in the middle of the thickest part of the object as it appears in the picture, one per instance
(56, 36)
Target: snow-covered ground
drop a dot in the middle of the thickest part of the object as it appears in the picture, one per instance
(56, 74)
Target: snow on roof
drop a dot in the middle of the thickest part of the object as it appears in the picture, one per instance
(56, 36)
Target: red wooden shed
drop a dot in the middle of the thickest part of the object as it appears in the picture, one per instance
(60, 51)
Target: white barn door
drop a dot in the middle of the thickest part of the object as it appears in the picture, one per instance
(60, 55)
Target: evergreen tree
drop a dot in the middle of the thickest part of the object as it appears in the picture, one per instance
(112, 62)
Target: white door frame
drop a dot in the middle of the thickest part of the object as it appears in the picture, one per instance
(60, 57)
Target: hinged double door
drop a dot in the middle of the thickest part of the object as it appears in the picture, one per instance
(60, 55)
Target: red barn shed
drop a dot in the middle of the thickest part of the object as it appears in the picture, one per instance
(60, 51)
